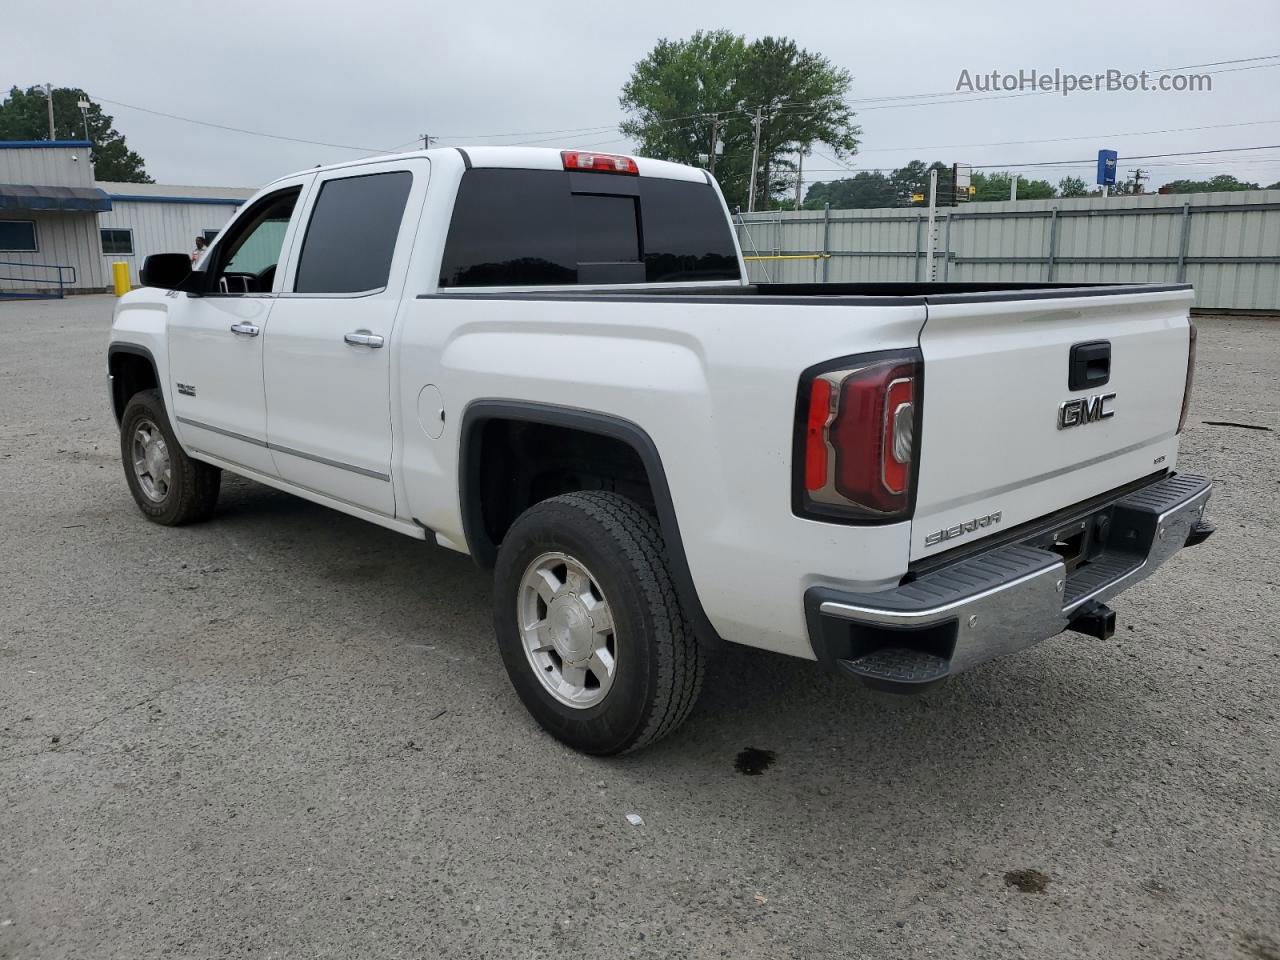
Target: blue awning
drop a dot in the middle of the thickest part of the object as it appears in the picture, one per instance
(20, 196)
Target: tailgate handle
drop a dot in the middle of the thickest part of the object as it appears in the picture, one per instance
(1090, 365)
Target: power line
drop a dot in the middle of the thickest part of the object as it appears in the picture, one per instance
(223, 126)
(1090, 136)
(1144, 156)
(958, 96)
(875, 103)
(1217, 63)
(786, 106)
(1088, 162)
(1186, 66)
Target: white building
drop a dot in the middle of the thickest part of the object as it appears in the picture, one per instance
(60, 230)
(49, 217)
(147, 218)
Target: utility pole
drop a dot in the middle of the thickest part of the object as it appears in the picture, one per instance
(711, 157)
(799, 175)
(1138, 176)
(426, 141)
(755, 162)
(933, 224)
(48, 92)
(84, 115)
(1013, 187)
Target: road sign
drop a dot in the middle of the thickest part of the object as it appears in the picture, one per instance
(1107, 167)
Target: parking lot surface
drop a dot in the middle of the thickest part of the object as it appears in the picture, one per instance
(287, 733)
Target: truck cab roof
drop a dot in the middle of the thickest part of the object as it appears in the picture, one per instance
(521, 158)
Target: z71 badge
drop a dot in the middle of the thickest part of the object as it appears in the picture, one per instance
(960, 529)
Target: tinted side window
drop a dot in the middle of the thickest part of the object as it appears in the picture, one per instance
(686, 234)
(352, 234)
(535, 227)
(507, 229)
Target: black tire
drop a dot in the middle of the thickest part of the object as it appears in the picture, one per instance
(660, 663)
(192, 490)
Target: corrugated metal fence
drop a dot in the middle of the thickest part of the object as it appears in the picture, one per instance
(1226, 244)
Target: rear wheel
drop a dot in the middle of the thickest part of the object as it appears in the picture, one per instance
(589, 626)
(169, 487)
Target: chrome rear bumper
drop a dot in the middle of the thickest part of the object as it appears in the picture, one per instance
(1006, 599)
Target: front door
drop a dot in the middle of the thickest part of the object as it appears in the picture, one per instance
(328, 352)
(215, 337)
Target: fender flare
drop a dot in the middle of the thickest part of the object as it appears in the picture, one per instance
(136, 350)
(484, 551)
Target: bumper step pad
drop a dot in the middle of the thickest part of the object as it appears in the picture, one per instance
(896, 668)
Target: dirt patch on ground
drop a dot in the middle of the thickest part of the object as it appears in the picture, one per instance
(1027, 881)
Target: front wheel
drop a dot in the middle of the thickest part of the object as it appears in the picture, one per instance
(169, 487)
(589, 626)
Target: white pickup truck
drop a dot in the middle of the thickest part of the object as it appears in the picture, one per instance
(552, 361)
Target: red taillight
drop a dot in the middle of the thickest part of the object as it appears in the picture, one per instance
(815, 438)
(864, 412)
(1191, 375)
(599, 162)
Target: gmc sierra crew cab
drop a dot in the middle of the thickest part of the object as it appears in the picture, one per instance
(553, 361)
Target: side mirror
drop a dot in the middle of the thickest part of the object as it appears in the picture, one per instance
(168, 271)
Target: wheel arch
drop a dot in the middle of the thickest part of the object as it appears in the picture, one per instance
(127, 364)
(484, 549)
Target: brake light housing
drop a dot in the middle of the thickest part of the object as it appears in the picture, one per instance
(584, 161)
(857, 438)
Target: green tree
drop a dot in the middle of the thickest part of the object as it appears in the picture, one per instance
(683, 89)
(863, 191)
(680, 92)
(996, 186)
(869, 188)
(24, 115)
(909, 179)
(1070, 187)
(1222, 182)
(913, 179)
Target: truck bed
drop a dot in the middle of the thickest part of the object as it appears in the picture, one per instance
(996, 358)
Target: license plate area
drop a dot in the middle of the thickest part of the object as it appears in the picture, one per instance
(1078, 542)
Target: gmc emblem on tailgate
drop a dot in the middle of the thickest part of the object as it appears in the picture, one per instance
(1082, 410)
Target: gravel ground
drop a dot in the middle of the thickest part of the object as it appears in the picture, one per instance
(287, 733)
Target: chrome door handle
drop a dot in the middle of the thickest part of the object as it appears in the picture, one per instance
(244, 329)
(363, 338)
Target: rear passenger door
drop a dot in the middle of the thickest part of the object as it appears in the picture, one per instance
(328, 350)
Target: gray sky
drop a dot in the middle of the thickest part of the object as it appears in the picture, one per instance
(376, 74)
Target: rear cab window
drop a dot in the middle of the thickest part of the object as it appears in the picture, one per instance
(514, 227)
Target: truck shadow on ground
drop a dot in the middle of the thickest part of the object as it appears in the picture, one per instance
(1037, 708)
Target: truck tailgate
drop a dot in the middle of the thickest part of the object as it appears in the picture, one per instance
(992, 453)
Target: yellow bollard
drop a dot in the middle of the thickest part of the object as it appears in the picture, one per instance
(120, 277)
